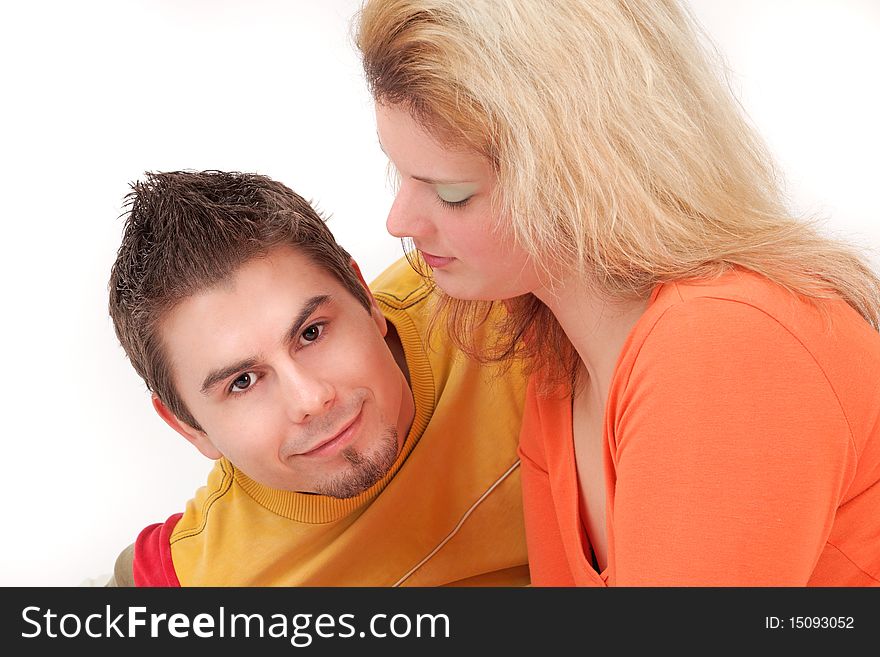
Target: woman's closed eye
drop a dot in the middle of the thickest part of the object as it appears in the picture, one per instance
(455, 196)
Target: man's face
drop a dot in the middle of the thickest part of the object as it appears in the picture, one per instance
(289, 377)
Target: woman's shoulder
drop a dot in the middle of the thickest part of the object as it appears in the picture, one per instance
(743, 330)
(752, 301)
(702, 325)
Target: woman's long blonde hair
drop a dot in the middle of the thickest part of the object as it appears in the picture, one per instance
(619, 149)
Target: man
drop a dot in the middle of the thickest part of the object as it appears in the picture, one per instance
(351, 448)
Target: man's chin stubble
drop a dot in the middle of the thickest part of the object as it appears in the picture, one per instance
(365, 469)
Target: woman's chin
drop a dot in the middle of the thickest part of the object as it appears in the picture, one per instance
(466, 289)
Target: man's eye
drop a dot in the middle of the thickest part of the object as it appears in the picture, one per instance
(313, 332)
(243, 382)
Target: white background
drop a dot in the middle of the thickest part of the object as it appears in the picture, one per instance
(95, 93)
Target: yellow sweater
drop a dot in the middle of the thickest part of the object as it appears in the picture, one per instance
(449, 511)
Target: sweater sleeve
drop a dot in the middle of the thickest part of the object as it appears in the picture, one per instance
(548, 564)
(730, 453)
(152, 565)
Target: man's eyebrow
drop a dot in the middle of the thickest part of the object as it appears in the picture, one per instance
(217, 375)
(221, 373)
(310, 307)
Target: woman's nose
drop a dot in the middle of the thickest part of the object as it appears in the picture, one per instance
(406, 218)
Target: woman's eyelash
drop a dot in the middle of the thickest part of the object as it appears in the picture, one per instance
(453, 205)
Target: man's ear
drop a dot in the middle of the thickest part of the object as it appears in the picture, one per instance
(377, 315)
(193, 435)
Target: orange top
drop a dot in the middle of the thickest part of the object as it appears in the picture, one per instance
(741, 447)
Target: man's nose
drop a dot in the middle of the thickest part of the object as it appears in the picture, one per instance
(306, 394)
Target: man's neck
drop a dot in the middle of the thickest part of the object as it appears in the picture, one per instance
(392, 339)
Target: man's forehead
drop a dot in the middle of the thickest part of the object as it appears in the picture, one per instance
(287, 260)
(283, 265)
(259, 300)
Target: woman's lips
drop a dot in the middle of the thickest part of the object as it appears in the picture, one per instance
(435, 262)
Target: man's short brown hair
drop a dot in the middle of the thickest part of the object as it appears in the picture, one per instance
(188, 231)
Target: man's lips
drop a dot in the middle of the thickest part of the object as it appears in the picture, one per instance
(337, 440)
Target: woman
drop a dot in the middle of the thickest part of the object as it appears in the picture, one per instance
(704, 405)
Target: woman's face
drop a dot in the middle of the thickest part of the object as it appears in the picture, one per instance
(444, 205)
